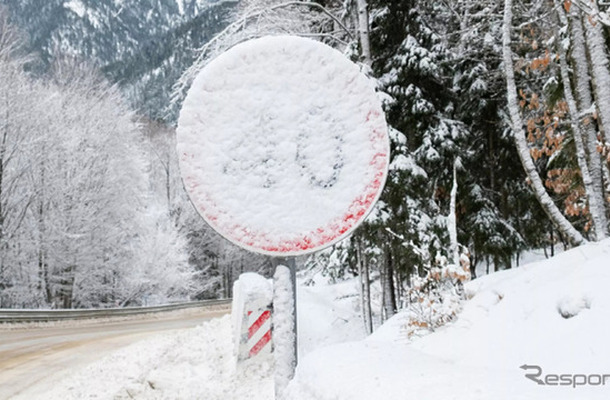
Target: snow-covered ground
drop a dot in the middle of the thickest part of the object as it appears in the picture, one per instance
(552, 316)
(199, 363)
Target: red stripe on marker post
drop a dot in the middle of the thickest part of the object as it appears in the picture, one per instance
(259, 331)
(260, 344)
(258, 323)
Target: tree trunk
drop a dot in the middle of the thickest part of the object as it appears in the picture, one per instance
(3, 151)
(452, 221)
(595, 199)
(365, 290)
(363, 32)
(388, 283)
(228, 280)
(474, 261)
(543, 197)
(66, 287)
(585, 99)
(606, 175)
(599, 65)
(552, 243)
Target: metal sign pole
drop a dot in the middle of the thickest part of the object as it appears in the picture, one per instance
(284, 321)
(291, 263)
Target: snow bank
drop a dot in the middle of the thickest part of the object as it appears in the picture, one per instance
(552, 314)
(328, 314)
(199, 363)
(518, 316)
(190, 364)
(283, 145)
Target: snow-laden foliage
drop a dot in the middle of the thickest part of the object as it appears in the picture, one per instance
(329, 263)
(77, 228)
(254, 19)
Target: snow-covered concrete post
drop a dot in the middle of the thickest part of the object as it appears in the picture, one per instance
(251, 316)
(284, 326)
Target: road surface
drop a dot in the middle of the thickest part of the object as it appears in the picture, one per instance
(31, 357)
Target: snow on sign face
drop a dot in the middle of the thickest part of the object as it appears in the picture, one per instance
(283, 145)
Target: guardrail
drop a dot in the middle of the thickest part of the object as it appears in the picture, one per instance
(14, 315)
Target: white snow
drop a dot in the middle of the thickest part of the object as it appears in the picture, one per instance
(327, 315)
(191, 364)
(200, 363)
(552, 314)
(77, 7)
(406, 163)
(283, 145)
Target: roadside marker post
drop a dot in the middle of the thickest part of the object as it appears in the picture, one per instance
(251, 317)
(257, 331)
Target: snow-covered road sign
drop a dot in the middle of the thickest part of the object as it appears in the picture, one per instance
(283, 145)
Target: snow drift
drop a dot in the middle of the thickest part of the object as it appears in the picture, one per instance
(552, 315)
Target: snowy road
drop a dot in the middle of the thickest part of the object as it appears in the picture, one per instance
(31, 359)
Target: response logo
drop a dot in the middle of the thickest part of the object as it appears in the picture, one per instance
(535, 374)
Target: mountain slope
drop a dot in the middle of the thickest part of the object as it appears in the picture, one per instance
(142, 46)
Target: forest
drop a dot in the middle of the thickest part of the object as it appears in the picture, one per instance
(497, 113)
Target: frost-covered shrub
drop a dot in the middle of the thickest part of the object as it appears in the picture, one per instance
(436, 299)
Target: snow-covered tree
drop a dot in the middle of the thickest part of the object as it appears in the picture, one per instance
(519, 136)
(593, 191)
(78, 229)
(256, 18)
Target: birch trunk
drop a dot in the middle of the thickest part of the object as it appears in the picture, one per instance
(594, 198)
(599, 65)
(606, 173)
(584, 97)
(452, 221)
(363, 32)
(523, 150)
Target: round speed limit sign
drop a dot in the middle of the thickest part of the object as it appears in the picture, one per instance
(283, 145)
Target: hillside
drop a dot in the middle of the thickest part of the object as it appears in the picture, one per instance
(143, 46)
